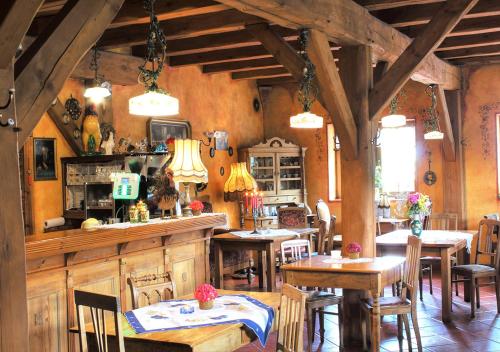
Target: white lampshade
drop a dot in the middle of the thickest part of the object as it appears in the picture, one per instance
(97, 93)
(433, 135)
(153, 103)
(393, 120)
(306, 120)
(186, 164)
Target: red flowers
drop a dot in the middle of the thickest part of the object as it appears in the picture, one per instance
(196, 205)
(205, 293)
(354, 247)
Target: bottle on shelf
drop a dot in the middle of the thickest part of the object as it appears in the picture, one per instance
(387, 208)
(380, 207)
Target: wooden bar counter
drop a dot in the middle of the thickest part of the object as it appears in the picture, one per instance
(101, 260)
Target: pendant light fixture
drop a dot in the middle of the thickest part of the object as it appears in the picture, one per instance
(308, 90)
(394, 119)
(155, 101)
(99, 90)
(431, 124)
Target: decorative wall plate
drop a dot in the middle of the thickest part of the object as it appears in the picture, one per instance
(73, 108)
(430, 178)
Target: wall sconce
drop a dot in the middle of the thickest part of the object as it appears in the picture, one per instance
(10, 121)
(220, 142)
(337, 143)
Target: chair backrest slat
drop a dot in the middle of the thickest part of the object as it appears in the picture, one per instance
(411, 268)
(326, 235)
(292, 217)
(323, 212)
(291, 319)
(484, 241)
(149, 286)
(442, 221)
(98, 305)
(294, 249)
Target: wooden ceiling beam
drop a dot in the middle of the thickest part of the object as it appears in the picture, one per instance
(422, 46)
(15, 19)
(421, 14)
(374, 5)
(478, 60)
(261, 73)
(467, 41)
(470, 52)
(243, 65)
(467, 26)
(276, 81)
(43, 68)
(56, 112)
(347, 23)
(446, 127)
(184, 27)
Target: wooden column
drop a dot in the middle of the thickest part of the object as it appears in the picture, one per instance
(14, 313)
(358, 210)
(453, 171)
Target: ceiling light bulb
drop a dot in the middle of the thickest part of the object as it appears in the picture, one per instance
(306, 120)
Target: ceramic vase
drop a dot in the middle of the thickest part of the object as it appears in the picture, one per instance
(416, 226)
(206, 305)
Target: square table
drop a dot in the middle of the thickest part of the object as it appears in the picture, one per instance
(259, 243)
(435, 243)
(366, 274)
(221, 338)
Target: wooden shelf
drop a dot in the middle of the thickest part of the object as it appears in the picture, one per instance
(290, 179)
(96, 207)
(290, 167)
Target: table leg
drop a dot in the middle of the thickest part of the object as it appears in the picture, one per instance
(445, 285)
(270, 263)
(219, 266)
(260, 268)
(375, 322)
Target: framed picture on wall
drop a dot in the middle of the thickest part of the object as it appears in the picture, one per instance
(160, 130)
(44, 158)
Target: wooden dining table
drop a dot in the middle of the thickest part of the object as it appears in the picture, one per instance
(266, 253)
(435, 243)
(220, 338)
(366, 274)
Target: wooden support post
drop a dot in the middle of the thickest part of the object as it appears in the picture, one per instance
(453, 171)
(446, 128)
(13, 299)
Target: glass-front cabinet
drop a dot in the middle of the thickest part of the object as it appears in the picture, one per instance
(278, 168)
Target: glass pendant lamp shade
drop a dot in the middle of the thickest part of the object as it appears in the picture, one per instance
(431, 124)
(306, 120)
(393, 120)
(153, 103)
(97, 93)
(433, 135)
(186, 164)
(239, 180)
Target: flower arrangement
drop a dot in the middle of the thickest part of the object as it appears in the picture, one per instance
(197, 207)
(418, 204)
(354, 248)
(205, 294)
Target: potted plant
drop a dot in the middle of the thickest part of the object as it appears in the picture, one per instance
(419, 205)
(197, 207)
(353, 249)
(205, 294)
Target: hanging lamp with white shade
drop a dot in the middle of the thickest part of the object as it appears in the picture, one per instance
(432, 130)
(100, 89)
(155, 101)
(308, 90)
(394, 119)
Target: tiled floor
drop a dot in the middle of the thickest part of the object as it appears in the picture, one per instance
(481, 334)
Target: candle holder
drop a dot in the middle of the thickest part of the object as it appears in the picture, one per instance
(255, 216)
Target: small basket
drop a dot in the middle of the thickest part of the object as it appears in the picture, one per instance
(354, 255)
(206, 305)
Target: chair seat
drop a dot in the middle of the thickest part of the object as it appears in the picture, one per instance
(475, 269)
(386, 302)
(318, 299)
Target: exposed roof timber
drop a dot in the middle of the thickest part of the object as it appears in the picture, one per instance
(340, 20)
(466, 26)
(242, 65)
(480, 60)
(51, 7)
(261, 73)
(471, 52)
(421, 14)
(184, 27)
(265, 82)
(472, 40)
(389, 4)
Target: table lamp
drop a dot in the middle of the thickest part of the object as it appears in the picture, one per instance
(239, 182)
(187, 166)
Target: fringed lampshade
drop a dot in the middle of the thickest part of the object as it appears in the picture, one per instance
(239, 180)
(186, 164)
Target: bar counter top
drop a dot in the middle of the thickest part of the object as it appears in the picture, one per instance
(61, 242)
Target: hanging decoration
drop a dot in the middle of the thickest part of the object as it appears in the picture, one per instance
(430, 177)
(308, 90)
(73, 108)
(155, 101)
(100, 89)
(431, 124)
(394, 119)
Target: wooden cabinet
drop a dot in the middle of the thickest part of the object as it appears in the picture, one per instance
(278, 168)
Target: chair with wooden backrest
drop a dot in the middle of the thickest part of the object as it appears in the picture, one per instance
(327, 239)
(292, 218)
(291, 319)
(294, 250)
(401, 305)
(161, 287)
(484, 242)
(442, 221)
(98, 305)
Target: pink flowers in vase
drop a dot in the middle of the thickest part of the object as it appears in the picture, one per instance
(197, 207)
(354, 248)
(418, 204)
(205, 294)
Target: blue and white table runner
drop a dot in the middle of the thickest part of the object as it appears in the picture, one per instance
(228, 309)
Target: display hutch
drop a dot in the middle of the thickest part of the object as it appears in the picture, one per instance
(278, 168)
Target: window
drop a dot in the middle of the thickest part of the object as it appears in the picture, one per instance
(398, 159)
(333, 173)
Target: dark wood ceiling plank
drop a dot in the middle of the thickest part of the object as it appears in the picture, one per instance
(261, 73)
(471, 40)
(470, 52)
(373, 5)
(423, 45)
(479, 60)
(242, 65)
(268, 82)
(467, 26)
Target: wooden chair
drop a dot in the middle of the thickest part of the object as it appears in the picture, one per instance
(291, 320)
(316, 301)
(484, 242)
(327, 239)
(400, 305)
(161, 286)
(98, 304)
(292, 218)
(444, 221)
(323, 212)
